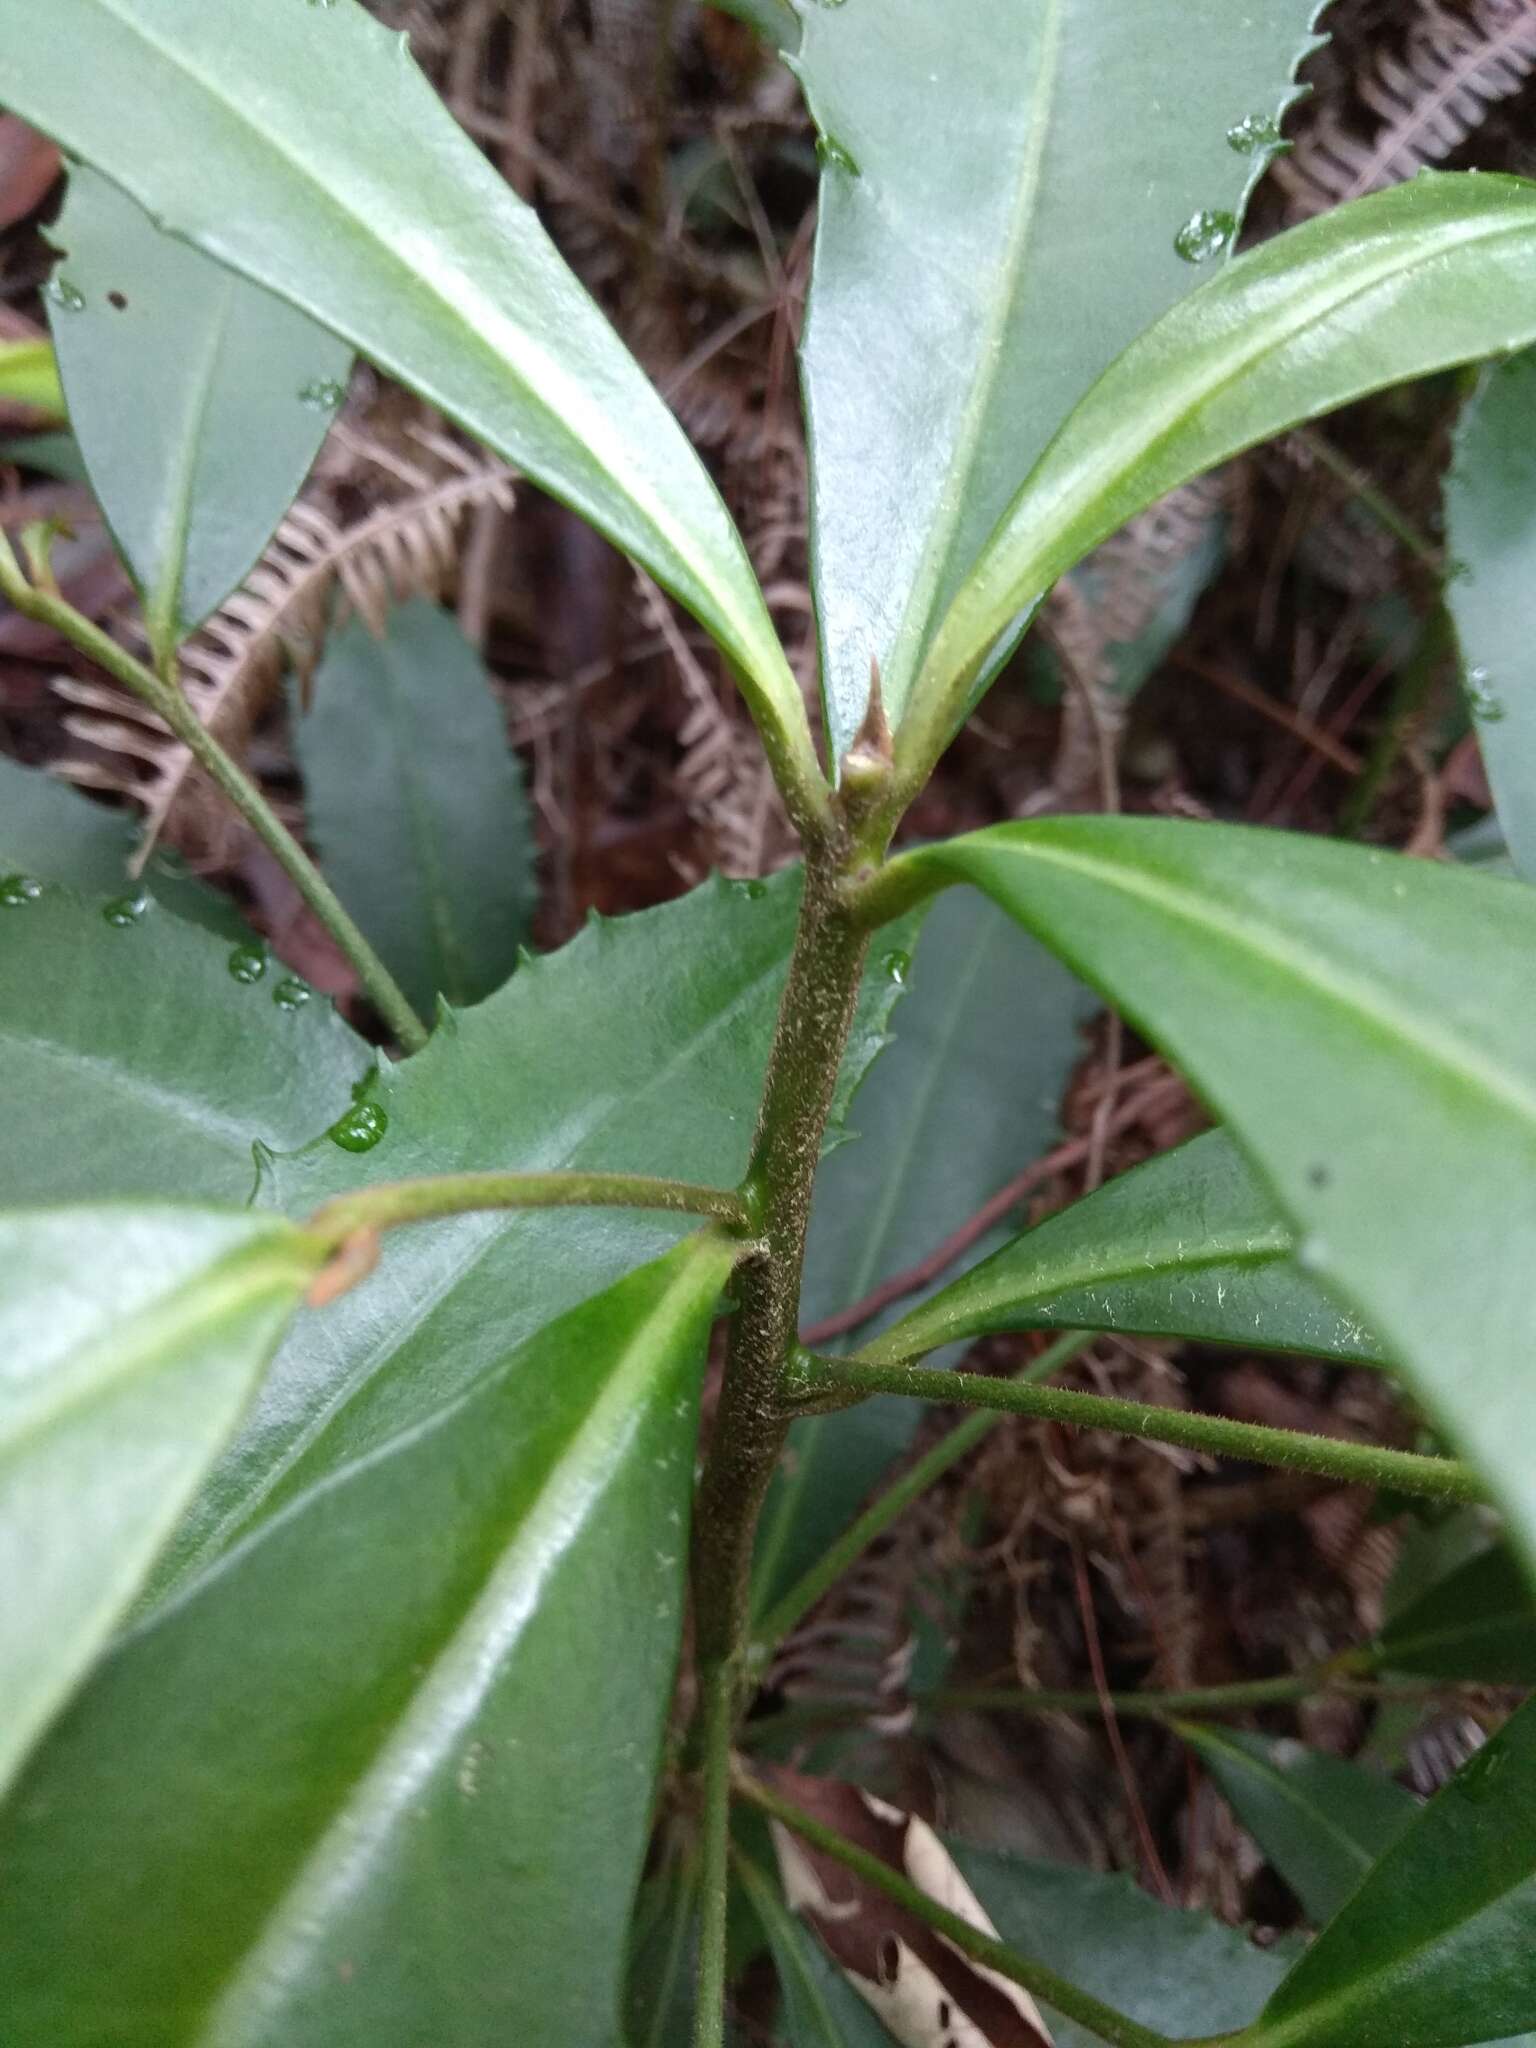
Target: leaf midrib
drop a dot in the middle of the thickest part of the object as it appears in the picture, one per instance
(163, 611)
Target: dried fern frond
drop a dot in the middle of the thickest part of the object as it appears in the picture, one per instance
(280, 617)
(1456, 65)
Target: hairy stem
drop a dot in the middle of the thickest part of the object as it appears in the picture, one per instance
(788, 1612)
(1353, 1464)
(1117, 2028)
(168, 704)
(456, 1194)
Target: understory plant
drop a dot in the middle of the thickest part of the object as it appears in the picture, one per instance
(349, 1511)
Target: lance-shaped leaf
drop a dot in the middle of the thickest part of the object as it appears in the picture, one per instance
(1478, 1623)
(1438, 1945)
(129, 1341)
(950, 1113)
(198, 401)
(1321, 1821)
(972, 277)
(1490, 512)
(371, 210)
(1410, 280)
(415, 803)
(637, 1048)
(1361, 1022)
(254, 1808)
(1189, 1245)
(136, 1062)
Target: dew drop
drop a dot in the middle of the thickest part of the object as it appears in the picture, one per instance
(1204, 234)
(1485, 704)
(247, 964)
(897, 967)
(322, 394)
(15, 890)
(832, 156)
(1456, 570)
(1253, 133)
(291, 993)
(360, 1129)
(756, 891)
(830, 3)
(1311, 1254)
(66, 296)
(124, 911)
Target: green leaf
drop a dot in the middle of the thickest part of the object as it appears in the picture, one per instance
(972, 275)
(1322, 1822)
(371, 210)
(1477, 1623)
(1438, 1946)
(1490, 516)
(133, 1062)
(415, 803)
(952, 1111)
(363, 1788)
(663, 1959)
(198, 401)
(130, 1338)
(639, 1048)
(819, 2008)
(51, 833)
(29, 375)
(1189, 1245)
(1181, 1973)
(1389, 287)
(1361, 1021)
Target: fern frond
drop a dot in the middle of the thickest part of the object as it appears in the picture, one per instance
(1453, 69)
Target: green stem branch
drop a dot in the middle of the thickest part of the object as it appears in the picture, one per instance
(1116, 2028)
(168, 704)
(456, 1194)
(718, 1710)
(1352, 1464)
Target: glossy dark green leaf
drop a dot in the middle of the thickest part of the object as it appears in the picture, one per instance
(972, 277)
(129, 1340)
(1189, 1245)
(952, 1111)
(415, 803)
(1406, 281)
(1361, 1021)
(365, 1787)
(369, 208)
(1438, 1946)
(1478, 1623)
(1321, 1821)
(51, 833)
(637, 1048)
(198, 401)
(1490, 514)
(133, 1062)
(1181, 1973)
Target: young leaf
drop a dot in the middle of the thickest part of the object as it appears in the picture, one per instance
(251, 1808)
(198, 401)
(136, 1062)
(376, 214)
(1438, 1945)
(971, 276)
(950, 1113)
(1490, 513)
(1407, 281)
(1322, 1822)
(637, 1048)
(129, 1340)
(29, 375)
(1478, 1623)
(1362, 1023)
(1189, 1245)
(415, 804)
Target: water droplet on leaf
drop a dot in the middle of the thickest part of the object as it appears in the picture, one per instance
(897, 967)
(322, 394)
(757, 890)
(247, 964)
(15, 890)
(832, 156)
(1311, 1254)
(1253, 133)
(291, 993)
(124, 911)
(360, 1129)
(1204, 234)
(66, 296)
